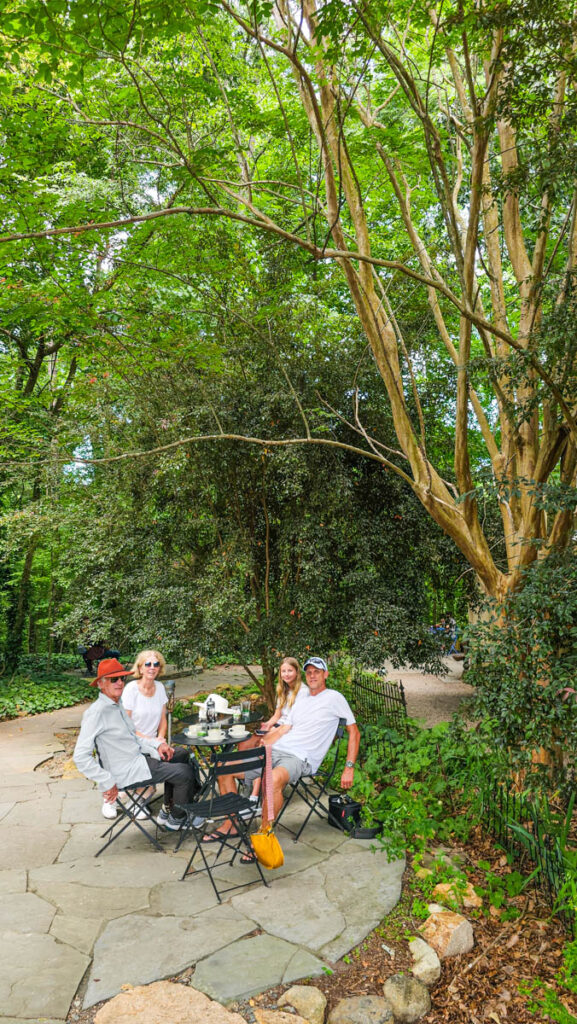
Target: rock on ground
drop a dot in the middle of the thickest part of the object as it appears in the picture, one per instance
(164, 1001)
(448, 933)
(408, 997)
(307, 1000)
(426, 964)
(459, 893)
(277, 1017)
(362, 1010)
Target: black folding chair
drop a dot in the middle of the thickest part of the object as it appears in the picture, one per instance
(217, 808)
(312, 788)
(133, 809)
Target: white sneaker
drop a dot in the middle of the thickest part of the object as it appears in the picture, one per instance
(108, 809)
(142, 815)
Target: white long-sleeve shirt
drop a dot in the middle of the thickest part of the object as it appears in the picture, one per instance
(107, 729)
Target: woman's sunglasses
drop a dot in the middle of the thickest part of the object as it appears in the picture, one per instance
(153, 664)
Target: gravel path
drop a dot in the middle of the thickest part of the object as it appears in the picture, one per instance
(433, 699)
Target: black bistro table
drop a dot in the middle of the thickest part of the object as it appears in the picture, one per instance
(205, 747)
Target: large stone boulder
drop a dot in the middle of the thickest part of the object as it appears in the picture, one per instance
(426, 964)
(362, 1010)
(408, 997)
(307, 1000)
(448, 933)
(164, 1001)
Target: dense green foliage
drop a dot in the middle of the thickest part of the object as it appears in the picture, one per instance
(523, 663)
(373, 282)
(30, 695)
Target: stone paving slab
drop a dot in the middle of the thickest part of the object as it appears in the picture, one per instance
(25, 912)
(295, 908)
(317, 834)
(82, 807)
(79, 932)
(30, 846)
(56, 971)
(191, 896)
(78, 785)
(86, 838)
(372, 889)
(157, 947)
(10, 793)
(5, 808)
(252, 965)
(94, 901)
(14, 880)
(44, 812)
(123, 870)
(27, 1020)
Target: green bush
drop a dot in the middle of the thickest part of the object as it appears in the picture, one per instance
(523, 663)
(22, 695)
(42, 663)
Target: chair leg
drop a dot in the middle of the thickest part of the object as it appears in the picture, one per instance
(129, 813)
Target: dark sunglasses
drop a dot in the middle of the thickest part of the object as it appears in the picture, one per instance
(155, 664)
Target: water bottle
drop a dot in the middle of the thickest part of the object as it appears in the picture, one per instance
(210, 710)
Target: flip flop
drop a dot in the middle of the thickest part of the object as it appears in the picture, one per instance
(248, 858)
(218, 837)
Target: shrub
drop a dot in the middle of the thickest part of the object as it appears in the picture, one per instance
(25, 696)
(523, 663)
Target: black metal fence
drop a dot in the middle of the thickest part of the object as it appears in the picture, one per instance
(380, 703)
(515, 822)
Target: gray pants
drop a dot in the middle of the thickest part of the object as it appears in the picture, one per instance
(178, 776)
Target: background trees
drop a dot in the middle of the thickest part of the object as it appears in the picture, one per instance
(419, 161)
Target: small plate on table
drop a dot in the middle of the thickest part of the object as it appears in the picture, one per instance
(238, 737)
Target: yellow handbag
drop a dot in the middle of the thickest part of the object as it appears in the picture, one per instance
(267, 849)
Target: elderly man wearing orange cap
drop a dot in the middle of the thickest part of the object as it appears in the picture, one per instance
(109, 752)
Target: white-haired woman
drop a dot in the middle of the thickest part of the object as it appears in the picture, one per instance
(144, 699)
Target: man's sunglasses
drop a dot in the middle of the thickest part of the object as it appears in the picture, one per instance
(153, 664)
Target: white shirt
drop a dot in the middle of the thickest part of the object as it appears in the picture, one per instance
(314, 724)
(146, 711)
(286, 717)
(108, 751)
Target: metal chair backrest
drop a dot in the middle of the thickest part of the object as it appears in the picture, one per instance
(234, 762)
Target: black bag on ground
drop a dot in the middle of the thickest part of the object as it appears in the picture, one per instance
(344, 813)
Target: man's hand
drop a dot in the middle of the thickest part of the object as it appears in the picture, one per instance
(165, 752)
(111, 794)
(347, 778)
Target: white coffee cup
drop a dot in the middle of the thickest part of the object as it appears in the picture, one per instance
(237, 730)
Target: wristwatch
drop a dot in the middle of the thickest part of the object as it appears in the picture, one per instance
(349, 764)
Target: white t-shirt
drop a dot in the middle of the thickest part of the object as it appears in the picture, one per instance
(146, 711)
(286, 717)
(314, 724)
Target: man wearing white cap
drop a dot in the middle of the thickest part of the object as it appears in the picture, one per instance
(302, 749)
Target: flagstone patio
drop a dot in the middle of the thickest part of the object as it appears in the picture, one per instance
(70, 922)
